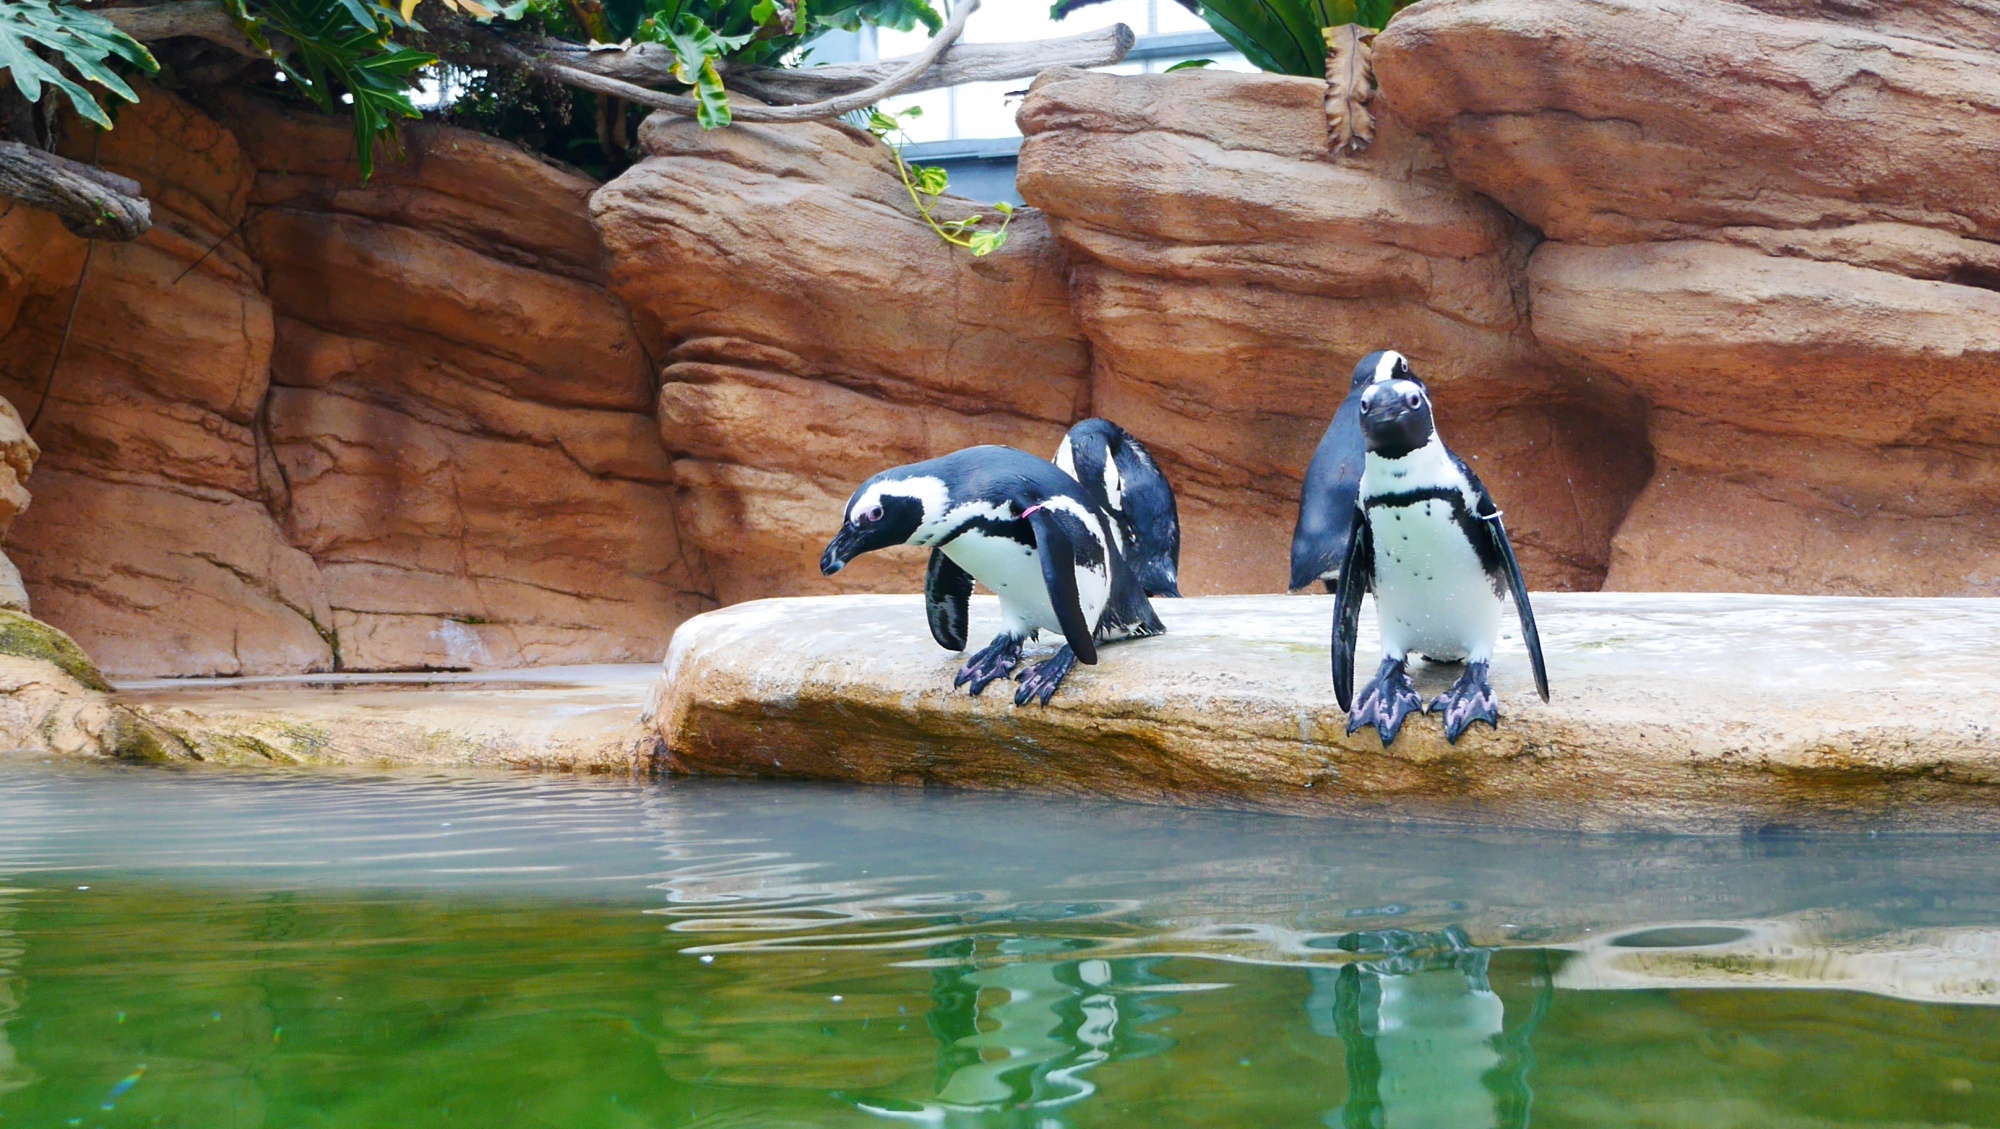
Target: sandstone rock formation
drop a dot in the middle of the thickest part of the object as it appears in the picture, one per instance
(53, 700)
(1229, 273)
(307, 422)
(1720, 713)
(815, 332)
(1775, 223)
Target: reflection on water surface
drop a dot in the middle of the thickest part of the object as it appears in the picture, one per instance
(229, 950)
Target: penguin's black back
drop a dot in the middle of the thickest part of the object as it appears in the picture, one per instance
(1147, 515)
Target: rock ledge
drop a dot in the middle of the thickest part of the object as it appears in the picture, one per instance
(1707, 713)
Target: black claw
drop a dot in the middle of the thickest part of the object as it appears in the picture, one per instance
(1470, 699)
(1385, 702)
(992, 661)
(1041, 682)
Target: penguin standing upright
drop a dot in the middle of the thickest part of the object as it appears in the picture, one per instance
(1327, 510)
(1429, 545)
(1121, 476)
(1024, 529)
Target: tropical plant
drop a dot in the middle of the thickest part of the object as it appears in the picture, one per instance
(341, 49)
(84, 42)
(925, 183)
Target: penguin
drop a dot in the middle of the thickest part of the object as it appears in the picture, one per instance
(1120, 475)
(1024, 529)
(1429, 545)
(1327, 508)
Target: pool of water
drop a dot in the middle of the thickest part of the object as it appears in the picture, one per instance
(214, 950)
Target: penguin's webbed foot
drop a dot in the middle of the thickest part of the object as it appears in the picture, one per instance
(995, 660)
(1386, 702)
(1470, 699)
(1040, 683)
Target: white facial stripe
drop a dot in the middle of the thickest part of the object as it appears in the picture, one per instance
(1066, 458)
(1385, 368)
(929, 492)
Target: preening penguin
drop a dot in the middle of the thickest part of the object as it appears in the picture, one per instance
(1327, 507)
(1024, 529)
(1430, 546)
(1119, 474)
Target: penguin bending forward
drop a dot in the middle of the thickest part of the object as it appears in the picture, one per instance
(1024, 529)
(1120, 475)
(1428, 543)
(1327, 507)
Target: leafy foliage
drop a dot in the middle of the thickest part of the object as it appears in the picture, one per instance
(706, 33)
(928, 182)
(85, 41)
(342, 47)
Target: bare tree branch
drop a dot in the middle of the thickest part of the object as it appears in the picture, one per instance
(202, 19)
(652, 64)
(90, 202)
(891, 85)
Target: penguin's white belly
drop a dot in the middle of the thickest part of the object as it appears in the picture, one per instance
(1431, 594)
(1013, 572)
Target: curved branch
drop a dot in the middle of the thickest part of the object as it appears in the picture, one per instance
(90, 202)
(652, 64)
(894, 84)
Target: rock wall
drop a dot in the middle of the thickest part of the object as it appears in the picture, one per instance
(307, 422)
(1776, 224)
(816, 332)
(1229, 272)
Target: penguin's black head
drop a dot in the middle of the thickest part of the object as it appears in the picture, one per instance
(1382, 364)
(1396, 416)
(887, 510)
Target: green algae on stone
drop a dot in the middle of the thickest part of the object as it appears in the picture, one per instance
(30, 638)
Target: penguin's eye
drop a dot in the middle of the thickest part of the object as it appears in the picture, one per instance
(1414, 401)
(869, 516)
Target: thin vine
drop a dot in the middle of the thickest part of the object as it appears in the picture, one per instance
(925, 183)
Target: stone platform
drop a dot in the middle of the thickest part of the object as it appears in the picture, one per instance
(569, 718)
(1702, 713)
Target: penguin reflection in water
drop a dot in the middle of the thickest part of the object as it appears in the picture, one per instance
(1429, 545)
(1027, 531)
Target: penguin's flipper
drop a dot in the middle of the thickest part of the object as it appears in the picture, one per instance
(1357, 577)
(947, 599)
(1058, 555)
(1529, 635)
(1153, 517)
(1327, 506)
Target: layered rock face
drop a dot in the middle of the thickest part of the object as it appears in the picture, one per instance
(815, 332)
(307, 422)
(1776, 224)
(1230, 272)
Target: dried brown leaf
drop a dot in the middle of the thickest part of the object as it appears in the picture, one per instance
(1350, 86)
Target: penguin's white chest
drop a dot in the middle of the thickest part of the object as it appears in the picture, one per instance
(1013, 572)
(1432, 595)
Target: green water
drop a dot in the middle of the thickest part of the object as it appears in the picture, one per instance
(212, 950)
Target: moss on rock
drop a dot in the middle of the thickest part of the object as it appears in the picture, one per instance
(31, 638)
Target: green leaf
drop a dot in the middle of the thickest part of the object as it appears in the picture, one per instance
(931, 180)
(713, 109)
(984, 243)
(333, 52)
(1189, 65)
(85, 41)
(1004, 208)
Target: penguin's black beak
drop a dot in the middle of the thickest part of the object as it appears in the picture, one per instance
(844, 547)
